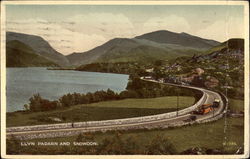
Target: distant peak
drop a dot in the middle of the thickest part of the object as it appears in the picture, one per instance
(162, 31)
(183, 33)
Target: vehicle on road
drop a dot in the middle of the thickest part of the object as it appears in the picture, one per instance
(216, 103)
(204, 109)
(191, 118)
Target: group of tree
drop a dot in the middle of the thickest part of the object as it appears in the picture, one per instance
(118, 67)
(37, 103)
(146, 89)
(136, 88)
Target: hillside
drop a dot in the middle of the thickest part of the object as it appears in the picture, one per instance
(41, 47)
(144, 49)
(183, 39)
(222, 67)
(19, 54)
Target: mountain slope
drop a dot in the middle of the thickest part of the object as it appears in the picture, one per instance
(183, 39)
(19, 54)
(231, 46)
(222, 66)
(94, 54)
(40, 46)
(140, 49)
(121, 50)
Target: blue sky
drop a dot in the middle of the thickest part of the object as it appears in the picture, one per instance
(78, 28)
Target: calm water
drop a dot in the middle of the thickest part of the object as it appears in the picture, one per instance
(22, 83)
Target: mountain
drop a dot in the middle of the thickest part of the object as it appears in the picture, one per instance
(232, 47)
(222, 66)
(120, 50)
(159, 45)
(183, 39)
(40, 46)
(19, 54)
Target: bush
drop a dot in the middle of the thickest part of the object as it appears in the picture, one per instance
(161, 146)
(136, 88)
(37, 103)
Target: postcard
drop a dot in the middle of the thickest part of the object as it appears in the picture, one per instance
(124, 79)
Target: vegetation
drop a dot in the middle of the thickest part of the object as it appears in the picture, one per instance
(119, 67)
(147, 48)
(39, 46)
(113, 144)
(37, 103)
(208, 137)
(223, 67)
(152, 103)
(19, 54)
(100, 111)
(152, 89)
(92, 106)
(236, 105)
(136, 88)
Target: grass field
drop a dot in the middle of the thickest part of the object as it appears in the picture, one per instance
(210, 135)
(236, 105)
(101, 111)
(160, 102)
(204, 135)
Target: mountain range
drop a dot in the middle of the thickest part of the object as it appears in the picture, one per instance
(148, 47)
(163, 45)
(40, 46)
(21, 55)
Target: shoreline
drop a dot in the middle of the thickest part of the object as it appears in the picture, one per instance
(69, 69)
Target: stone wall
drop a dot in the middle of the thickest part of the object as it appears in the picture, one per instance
(108, 122)
(104, 129)
(92, 126)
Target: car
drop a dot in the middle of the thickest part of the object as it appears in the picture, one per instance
(216, 103)
(190, 119)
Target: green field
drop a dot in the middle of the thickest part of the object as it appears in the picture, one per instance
(160, 102)
(236, 105)
(101, 111)
(210, 136)
(204, 135)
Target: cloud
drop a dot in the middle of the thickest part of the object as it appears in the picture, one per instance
(108, 24)
(83, 32)
(78, 33)
(172, 23)
(62, 39)
(223, 30)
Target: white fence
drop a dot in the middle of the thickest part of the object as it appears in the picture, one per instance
(110, 122)
(52, 134)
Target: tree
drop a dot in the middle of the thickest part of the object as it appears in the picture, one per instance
(26, 107)
(111, 94)
(67, 100)
(35, 102)
(158, 63)
(160, 146)
(128, 94)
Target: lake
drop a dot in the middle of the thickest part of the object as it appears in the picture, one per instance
(22, 83)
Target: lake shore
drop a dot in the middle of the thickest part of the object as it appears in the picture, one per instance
(52, 84)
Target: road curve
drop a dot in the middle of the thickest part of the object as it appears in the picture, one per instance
(161, 120)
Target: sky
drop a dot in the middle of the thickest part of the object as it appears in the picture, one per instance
(79, 28)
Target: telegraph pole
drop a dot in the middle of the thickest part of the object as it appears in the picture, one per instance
(225, 119)
(177, 105)
(213, 111)
(225, 125)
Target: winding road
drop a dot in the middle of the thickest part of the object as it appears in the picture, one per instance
(155, 121)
